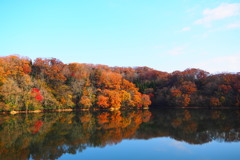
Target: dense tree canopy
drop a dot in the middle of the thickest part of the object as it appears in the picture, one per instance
(191, 87)
(50, 84)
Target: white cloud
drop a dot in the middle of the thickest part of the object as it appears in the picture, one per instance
(225, 10)
(177, 50)
(186, 29)
(229, 63)
(233, 25)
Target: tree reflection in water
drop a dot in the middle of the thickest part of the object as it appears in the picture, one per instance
(50, 135)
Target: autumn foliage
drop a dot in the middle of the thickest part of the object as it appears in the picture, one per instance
(50, 84)
(36, 94)
(191, 87)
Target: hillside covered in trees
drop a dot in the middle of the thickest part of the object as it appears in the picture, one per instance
(51, 84)
(191, 87)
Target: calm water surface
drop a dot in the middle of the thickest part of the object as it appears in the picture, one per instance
(199, 134)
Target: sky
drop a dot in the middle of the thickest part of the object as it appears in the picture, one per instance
(164, 35)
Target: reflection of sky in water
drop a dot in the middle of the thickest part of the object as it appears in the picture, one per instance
(161, 148)
(216, 131)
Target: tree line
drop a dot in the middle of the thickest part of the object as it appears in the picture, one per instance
(191, 87)
(48, 83)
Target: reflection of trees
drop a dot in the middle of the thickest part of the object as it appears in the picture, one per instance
(48, 136)
(193, 126)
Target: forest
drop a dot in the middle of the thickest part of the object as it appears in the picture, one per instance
(48, 83)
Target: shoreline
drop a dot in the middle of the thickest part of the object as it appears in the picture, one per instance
(64, 110)
(82, 109)
(156, 107)
(42, 111)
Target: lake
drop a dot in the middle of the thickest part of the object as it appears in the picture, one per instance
(200, 134)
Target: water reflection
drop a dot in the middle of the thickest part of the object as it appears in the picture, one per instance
(50, 135)
(195, 126)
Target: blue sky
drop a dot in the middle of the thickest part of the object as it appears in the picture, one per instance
(164, 35)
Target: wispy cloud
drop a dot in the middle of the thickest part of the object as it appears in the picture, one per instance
(233, 25)
(177, 50)
(186, 29)
(228, 63)
(225, 10)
